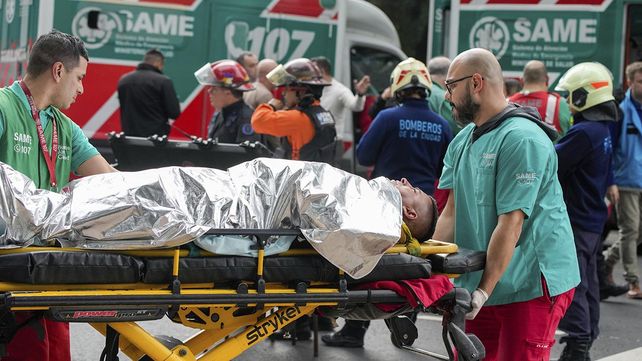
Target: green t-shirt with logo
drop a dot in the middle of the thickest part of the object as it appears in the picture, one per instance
(512, 167)
(20, 147)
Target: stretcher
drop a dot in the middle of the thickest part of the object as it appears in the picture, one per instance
(236, 302)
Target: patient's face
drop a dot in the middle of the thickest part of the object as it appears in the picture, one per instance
(411, 197)
(417, 208)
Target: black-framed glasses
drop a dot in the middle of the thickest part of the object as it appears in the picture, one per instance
(448, 83)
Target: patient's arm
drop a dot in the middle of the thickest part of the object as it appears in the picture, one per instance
(445, 229)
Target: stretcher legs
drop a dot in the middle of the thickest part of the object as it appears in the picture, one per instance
(138, 343)
(135, 342)
(258, 332)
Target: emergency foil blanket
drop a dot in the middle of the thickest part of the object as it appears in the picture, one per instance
(350, 221)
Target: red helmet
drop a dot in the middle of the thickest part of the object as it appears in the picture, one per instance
(226, 74)
(296, 72)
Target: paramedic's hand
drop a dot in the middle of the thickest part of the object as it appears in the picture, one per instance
(276, 104)
(479, 297)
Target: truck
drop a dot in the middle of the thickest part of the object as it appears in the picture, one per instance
(560, 33)
(357, 38)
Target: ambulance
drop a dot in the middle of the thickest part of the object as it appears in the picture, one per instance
(357, 37)
(560, 33)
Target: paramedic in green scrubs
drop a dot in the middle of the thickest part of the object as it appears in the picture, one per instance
(38, 140)
(507, 201)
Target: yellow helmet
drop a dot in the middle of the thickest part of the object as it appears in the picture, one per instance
(410, 73)
(587, 84)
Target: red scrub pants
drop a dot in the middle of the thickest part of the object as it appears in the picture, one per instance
(40, 339)
(522, 331)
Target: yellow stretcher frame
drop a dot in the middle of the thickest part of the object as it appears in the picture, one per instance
(225, 333)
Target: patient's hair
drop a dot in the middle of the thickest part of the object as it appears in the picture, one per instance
(423, 227)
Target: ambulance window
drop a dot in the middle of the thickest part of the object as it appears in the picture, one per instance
(378, 64)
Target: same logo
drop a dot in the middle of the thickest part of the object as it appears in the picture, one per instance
(97, 36)
(492, 34)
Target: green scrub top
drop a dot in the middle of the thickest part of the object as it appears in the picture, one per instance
(512, 167)
(81, 149)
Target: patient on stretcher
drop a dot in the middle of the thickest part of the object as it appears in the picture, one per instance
(348, 220)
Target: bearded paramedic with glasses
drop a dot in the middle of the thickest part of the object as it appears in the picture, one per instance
(506, 200)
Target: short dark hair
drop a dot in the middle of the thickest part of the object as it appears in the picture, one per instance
(323, 63)
(241, 58)
(410, 93)
(424, 230)
(54, 47)
(152, 56)
(433, 220)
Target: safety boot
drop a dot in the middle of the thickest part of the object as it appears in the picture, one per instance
(608, 287)
(575, 350)
(351, 335)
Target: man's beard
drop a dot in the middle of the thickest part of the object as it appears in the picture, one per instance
(465, 112)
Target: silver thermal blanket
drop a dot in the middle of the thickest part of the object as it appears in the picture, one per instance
(350, 221)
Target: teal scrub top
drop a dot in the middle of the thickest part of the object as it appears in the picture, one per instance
(512, 167)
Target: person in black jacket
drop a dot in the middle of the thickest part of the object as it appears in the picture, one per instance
(147, 98)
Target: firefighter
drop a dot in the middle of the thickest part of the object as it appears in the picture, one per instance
(584, 171)
(226, 80)
(296, 114)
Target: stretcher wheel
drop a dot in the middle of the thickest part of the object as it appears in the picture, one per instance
(395, 341)
(403, 331)
(400, 343)
(167, 341)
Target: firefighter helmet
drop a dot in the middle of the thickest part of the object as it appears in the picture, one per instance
(301, 71)
(226, 74)
(586, 85)
(410, 73)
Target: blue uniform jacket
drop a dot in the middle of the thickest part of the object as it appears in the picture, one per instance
(408, 141)
(584, 163)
